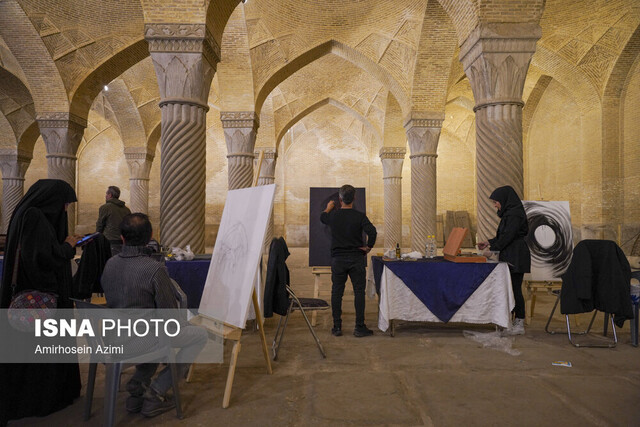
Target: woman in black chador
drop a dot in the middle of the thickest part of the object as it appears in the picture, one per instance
(513, 249)
(39, 226)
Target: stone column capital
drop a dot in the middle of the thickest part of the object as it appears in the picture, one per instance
(14, 163)
(182, 38)
(392, 159)
(138, 153)
(62, 132)
(496, 58)
(267, 173)
(423, 133)
(139, 161)
(239, 119)
(425, 119)
(240, 129)
(60, 120)
(185, 57)
(500, 38)
(269, 153)
(392, 153)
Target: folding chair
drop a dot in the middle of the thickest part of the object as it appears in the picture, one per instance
(586, 331)
(597, 280)
(280, 298)
(114, 366)
(304, 305)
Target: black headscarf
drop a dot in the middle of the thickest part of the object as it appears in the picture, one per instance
(49, 196)
(510, 203)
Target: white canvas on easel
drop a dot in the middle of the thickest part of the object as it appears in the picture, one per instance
(550, 239)
(236, 255)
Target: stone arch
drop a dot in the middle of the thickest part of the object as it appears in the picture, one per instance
(463, 14)
(154, 137)
(394, 132)
(569, 76)
(429, 92)
(126, 114)
(217, 15)
(106, 72)
(9, 62)
(29, 137)
(467, 14)
(343, 51)
(612, 130)
(18, 109)
(235, 71)
(49, 94)
(322, 103)
(532, 103)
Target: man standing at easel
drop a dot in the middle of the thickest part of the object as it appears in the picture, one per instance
(348, 256)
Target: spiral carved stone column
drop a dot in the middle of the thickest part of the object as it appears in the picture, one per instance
(185, 58)
(496, 59)
(62, 134)
(139, 162)
(392, 159)
(13, 164)
(423, 133)
(267, 176)
(240, 128)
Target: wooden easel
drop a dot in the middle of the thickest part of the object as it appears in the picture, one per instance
(234, 333)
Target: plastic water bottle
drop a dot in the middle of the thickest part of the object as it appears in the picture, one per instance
(430, 247)
(434, 246)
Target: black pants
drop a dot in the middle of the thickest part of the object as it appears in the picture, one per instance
(354, 268)
(516, 283)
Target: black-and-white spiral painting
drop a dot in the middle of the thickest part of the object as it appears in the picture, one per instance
(550, 238)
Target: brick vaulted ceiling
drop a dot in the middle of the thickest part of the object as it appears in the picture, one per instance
(295, 56)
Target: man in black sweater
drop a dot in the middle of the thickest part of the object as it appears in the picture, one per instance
(348, 256)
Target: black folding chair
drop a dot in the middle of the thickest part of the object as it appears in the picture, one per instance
(279, 296)
(597, 280)
(304, 305)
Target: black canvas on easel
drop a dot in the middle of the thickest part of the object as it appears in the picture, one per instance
(320, 234)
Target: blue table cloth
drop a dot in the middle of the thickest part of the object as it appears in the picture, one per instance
(442, 286)
(191, 276)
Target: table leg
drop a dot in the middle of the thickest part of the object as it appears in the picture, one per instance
(316, 291)
(527, 303)
(533, 301)
(634, 326)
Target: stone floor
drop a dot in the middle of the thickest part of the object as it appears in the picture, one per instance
(428, 374)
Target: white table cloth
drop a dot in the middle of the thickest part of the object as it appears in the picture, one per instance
(492, 302)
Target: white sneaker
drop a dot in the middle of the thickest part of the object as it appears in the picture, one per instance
(517, 328)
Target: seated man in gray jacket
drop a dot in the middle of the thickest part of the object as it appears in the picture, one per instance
(133, 279)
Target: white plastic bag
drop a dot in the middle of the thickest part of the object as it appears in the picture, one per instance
(493, 340)
(188, 254)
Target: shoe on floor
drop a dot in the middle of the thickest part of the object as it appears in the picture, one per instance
(155, 404)
(336, 332)
(134, 404)
(517, 328)
(362, 331)
(136, 388)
